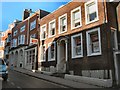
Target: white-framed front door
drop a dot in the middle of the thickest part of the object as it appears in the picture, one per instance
(62, 53)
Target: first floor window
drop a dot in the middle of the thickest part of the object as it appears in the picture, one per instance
(91, 9)
(93, 42)
(77, 50)
(76, 18)
(52, 27)
(63, 23)
(51, 52)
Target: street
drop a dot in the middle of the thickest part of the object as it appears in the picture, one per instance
(19, 80)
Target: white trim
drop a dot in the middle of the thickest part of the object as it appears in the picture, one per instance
(59, 23)
(78, 8)
(49, 50)
(41, 38)
(72, 46)
(49, 35)
(86, 18)
(88, 42)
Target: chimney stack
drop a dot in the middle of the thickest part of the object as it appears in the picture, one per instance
(26, 14)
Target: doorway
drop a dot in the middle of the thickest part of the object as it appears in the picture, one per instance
(61, 56)
(117, 67)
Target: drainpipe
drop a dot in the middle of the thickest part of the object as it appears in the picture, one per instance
(28, 29)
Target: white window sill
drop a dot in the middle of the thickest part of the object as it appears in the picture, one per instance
(51, 60)
(80, 56)
(62, 32)
(94, 54)
(92, 21)
(42, 39)
(76, 27)
(51, 36)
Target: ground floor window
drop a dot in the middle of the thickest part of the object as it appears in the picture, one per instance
(93, 42)
(42, 53)
(51, 51)
(77, 47)
(30, 56)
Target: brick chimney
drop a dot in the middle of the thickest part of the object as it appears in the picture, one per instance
(26, 14)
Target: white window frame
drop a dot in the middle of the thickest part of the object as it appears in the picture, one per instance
(86, 13)
(49, 51)
(72, 46)
(33, 25)
(22, 39)
(15, 32)
(41, 32)
(41, 46)
(78, 8)
(88, 42)
(49, 35)
(14, 42)
(22, 28)
(59, 23)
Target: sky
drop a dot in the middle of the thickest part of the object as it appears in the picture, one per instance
(9, 11)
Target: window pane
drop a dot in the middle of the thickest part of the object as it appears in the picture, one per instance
(94, 42)
(77, 41)
(76, 15)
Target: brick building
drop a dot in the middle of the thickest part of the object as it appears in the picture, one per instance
(80, 39)
(3, 36)
(24, 41)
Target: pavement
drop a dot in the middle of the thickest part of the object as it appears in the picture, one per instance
(53, 79)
